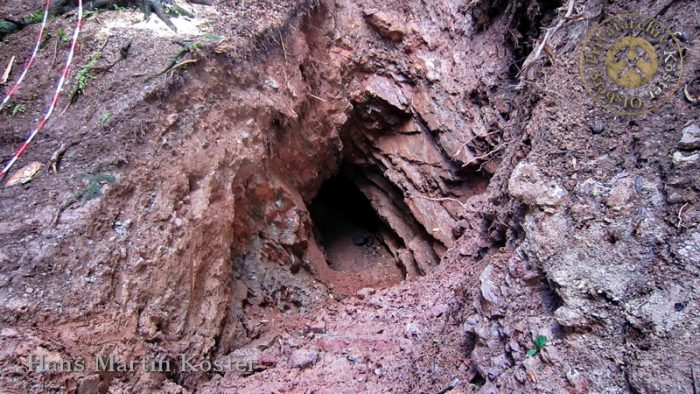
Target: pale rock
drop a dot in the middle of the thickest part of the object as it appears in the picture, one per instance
(365, 293)
(689, 250)
(8, 333)
(384, 88)
(488, 287)
(388, 25)
(679, 158)
(569, 317)
(690, 138)
(411, 330)
(527, 185)
(304, 358)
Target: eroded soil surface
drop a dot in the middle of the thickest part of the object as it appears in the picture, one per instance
(353, 197)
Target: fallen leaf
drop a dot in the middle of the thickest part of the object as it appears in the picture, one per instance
(223, 48)
(532, 375)
(24, 175)
(171, 119)
(8, 70)
(530, 365)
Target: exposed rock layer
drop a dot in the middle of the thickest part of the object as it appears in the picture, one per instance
(206, 246)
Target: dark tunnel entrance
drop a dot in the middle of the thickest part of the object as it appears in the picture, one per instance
(351, 233)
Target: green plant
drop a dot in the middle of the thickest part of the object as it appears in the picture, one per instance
(62, 35)
(540, 341)
(18, 109)
(213, 37)
(105, 118)
(84, 76)
(188, 47)
(34, 17)
(94, 186)
(191, 46)
(7, 26)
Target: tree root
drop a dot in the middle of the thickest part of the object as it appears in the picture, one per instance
(162, 8)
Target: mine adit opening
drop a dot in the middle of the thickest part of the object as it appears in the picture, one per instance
(351, 233)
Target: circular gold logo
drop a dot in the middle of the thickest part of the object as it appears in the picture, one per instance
(631, 64)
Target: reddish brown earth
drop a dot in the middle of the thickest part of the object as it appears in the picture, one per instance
(353, 197)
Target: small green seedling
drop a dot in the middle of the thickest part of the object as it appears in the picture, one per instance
(105, 118)
(34, 17)
(94, 187)
(84, 76)
(62, 35)
(18, 109)
(540, 341)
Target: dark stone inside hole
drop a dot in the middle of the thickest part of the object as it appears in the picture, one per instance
(347, 226)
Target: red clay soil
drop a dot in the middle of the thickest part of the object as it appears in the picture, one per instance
(346, 197)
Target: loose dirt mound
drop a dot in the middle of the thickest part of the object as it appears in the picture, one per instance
(412, 198)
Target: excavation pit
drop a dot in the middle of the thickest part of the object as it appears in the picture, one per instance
(352, 236)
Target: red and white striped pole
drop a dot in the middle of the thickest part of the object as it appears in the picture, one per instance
(29, 63)
(57, 93)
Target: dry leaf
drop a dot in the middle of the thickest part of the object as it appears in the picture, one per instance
(8, 70)
(223, 48)
(25, 174)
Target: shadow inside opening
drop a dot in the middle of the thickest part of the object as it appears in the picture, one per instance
(350, 231)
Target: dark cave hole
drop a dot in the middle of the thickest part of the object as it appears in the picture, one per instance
(478, 380)
(348, 228)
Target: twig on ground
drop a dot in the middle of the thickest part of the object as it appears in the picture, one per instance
(187, 47)
(454, 383)
(284, 49)
(123, 54)
(8, 70)
(284, 70)
(680, 218)
(441, 199)
(491, 152)
(57, 156)
(55, 52)
(548, 33)
(64, 205)
(318, 98)
(104, 44)
(469, 141)
(183, 63)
